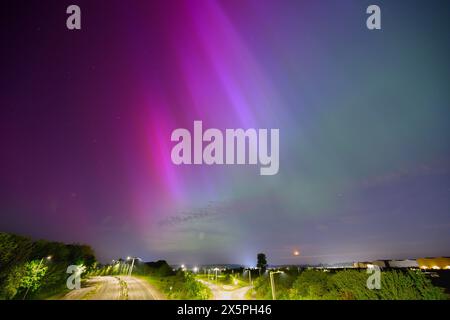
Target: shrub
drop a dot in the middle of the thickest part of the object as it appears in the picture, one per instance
(311, 285)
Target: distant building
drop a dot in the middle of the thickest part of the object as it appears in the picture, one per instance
(403, 263)
(380, 263)
(423, 263)
(360, 264)
(340, 265)
(434, 263)
(366, 264)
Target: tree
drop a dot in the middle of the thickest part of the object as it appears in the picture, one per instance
(24, 267)
(395, 285)
(81, 254)
(262, 262)
(14, 253)
(311, 285)
(34, 272)
(160, 268)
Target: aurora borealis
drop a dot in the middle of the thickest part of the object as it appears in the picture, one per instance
(363, 117)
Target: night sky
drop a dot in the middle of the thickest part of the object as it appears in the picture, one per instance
(86, 119)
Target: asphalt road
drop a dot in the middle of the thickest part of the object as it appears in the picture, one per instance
(115, 288)
(226, 292)
(139, 289)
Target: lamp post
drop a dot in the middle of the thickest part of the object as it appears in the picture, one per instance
(216, 270)
(249, 275)
(132, 263)
(48, 259)
(272, 283)
(296, 253)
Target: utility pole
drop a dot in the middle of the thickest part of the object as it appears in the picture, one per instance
(249, 275)
(216, 270)
(272, 283)
(132, 264)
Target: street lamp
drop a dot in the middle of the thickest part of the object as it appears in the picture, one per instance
(249, 275)
(216, 270)
(132, 263)
(272, 283)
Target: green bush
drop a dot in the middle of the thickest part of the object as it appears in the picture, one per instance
(395, 285)
(181, 286)
(312, 285)
(351, 285)
(283, 283)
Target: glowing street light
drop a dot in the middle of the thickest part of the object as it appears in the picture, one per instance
(195, 269)
(132, 263)
(216, 270)
(48, 258)
(272, 283)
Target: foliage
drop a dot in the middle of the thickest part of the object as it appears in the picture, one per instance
(351, 285)
(193, 288)
(311, 285)
(160, 268)
(11, 283)
(34, 271)
(395, 285)
(19, 271)
(182, 286)
(283, 282)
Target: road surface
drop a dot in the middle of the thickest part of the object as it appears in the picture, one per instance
(115, 288)
(226, 292)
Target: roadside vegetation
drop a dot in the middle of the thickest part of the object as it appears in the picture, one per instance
(181, 286)
(226, 279)
(347, 285)
(37, 269)
(173, 284)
